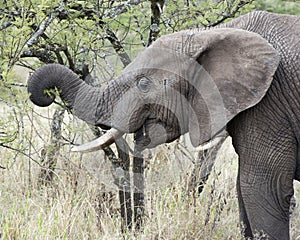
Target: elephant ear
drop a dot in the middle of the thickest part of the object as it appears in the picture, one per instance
(235, 72)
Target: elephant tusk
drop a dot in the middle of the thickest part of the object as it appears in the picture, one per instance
(210, 144)
(105, 140)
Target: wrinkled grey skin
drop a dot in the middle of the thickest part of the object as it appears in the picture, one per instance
(243, 76)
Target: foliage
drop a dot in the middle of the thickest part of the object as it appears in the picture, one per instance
(280, 6)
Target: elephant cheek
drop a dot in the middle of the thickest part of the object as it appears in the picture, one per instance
(128, 119)
(127, 112)
(155, 134)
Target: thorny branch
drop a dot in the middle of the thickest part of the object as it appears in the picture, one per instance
(21, 152)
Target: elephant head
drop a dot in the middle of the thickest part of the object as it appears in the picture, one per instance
(189, 81)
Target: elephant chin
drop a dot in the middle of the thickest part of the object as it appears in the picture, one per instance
(104, 141)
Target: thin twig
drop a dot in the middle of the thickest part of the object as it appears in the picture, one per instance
(230, 14)
(20, 151)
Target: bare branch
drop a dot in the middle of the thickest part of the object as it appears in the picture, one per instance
(21, 151)
(156, 9)
(42, 54)
(115, 42)
(122, 8)
(34, 38)
(5, 25)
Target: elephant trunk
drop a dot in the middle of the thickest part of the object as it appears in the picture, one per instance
(52, 76)
(88, 103)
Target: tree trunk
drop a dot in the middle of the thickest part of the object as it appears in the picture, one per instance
(124, 185)
(138, 161)
(138, 183)
(50, 152)
(202, 169)
(121, 174)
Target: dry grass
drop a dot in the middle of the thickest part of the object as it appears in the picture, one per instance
(69, 208)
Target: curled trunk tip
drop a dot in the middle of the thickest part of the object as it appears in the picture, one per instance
(48, 77)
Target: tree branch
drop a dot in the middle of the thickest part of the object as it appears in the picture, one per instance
(42, 54)
(118, 47)
(21, 151)
(156, 9)
(122, 8)
(34, 38)
(10, 16)
(230, 14)
(5, 25)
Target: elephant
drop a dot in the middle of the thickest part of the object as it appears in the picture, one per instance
(240, 78)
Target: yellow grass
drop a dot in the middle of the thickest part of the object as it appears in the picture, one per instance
(69, 208)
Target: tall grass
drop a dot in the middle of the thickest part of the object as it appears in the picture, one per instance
(77, 204)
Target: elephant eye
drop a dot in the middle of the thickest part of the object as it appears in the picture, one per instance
(144, 84)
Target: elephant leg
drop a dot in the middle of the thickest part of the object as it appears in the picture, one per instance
(267, 164)
(243, 214)
(265, 206)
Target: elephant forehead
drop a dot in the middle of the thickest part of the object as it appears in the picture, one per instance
(155, 59)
